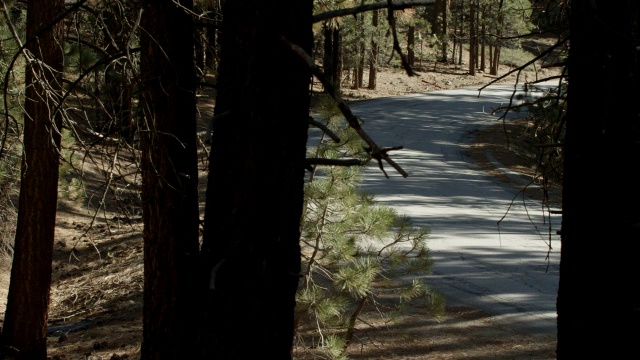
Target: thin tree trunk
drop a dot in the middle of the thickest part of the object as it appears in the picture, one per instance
(411, 43)
(328, 57)
(444, 31)
(472, 37)
(25, 322)
(495, 64)
(460, 42)
(337, 58)
(361, 52)
(483, 37)
(373, 59)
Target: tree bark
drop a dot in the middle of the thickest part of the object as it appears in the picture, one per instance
(495, 62)
(251, 251)
(411, 43)
(373, 59)
(170, 179)
(337, 58)
(597, 319)
(472, 37)
(445, 31)
(25, 322)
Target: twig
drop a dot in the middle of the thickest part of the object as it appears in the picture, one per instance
(430, 83)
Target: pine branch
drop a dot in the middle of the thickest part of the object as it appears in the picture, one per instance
(324, 129)
(374, 150)
(396, 5)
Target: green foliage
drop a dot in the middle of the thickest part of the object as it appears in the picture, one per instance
(11, 80)
(515, 57)
(70, 185)
(9, 185)
(352, 247)
(78, 58)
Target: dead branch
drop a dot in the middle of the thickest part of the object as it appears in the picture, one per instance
(375, 151)
(396, 5)
(334, 162)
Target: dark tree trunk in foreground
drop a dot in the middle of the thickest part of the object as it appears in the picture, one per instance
(598, 301)
(25, 322)
(170, 178)
(255, 190)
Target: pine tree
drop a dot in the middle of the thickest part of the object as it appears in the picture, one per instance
(351, 246)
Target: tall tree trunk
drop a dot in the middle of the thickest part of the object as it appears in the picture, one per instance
(337, 58)
(251, 250)
(472, 37)
(327, 59)
(170, 179)
(483, 37)
(439, 25)
(373, 58)
(445, 31)
(597, 320)
(495, 63)
(461, 33)
(25, 322)
(361, 52)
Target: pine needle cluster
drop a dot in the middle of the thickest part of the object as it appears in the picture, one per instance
(354, 248)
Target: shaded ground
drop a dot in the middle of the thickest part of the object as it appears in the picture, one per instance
(96, 308)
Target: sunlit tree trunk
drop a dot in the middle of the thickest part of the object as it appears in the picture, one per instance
(25, 322)
(373, 59)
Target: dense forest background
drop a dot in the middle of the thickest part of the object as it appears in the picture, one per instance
(101, 103)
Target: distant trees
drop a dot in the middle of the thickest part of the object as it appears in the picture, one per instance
(25, 322)
(600, 232)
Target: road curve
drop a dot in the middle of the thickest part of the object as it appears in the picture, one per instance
(508, 270)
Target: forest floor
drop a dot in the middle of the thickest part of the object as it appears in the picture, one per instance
(96, 303)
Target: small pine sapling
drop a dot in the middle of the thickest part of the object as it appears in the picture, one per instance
(357, 253)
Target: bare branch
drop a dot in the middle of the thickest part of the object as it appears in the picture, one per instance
(374, 150)
(334, 162)
(396, 5)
